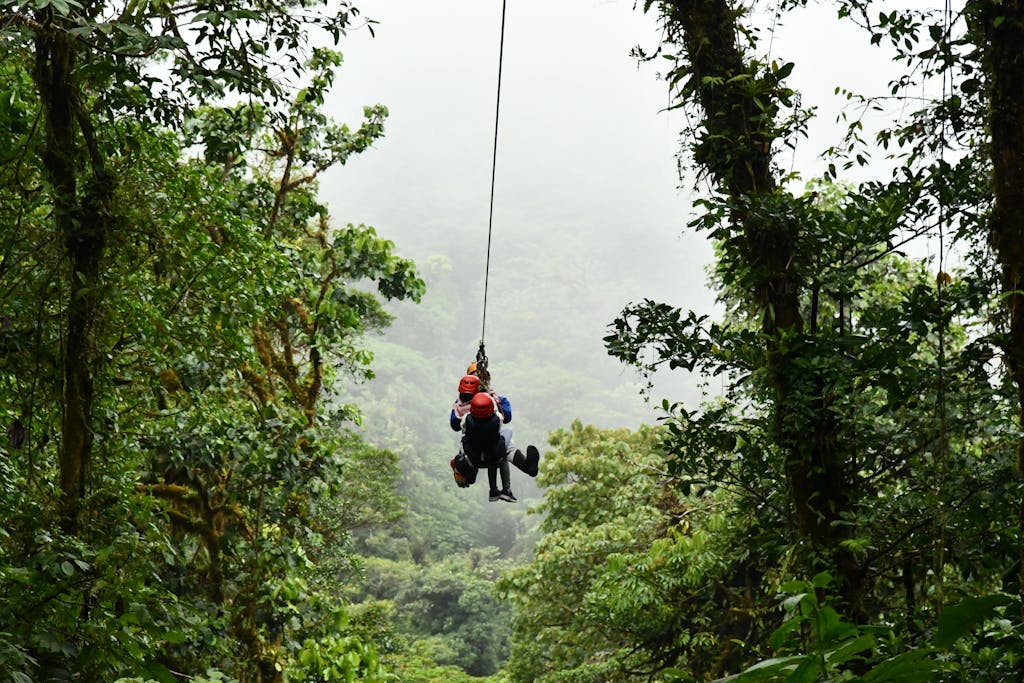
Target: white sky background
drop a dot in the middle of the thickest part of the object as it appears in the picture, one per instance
(579, 133)
(581, 144)
(582, 135)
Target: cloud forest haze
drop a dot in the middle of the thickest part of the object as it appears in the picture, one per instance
(588, 194)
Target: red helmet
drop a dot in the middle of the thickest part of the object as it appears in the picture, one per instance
(482, 406)
(469, 384)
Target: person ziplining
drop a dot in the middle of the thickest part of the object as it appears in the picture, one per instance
(479, 413)
(483, 417)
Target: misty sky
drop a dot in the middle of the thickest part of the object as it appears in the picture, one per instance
(584, 148)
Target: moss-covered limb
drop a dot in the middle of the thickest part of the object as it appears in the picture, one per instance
(739, 99)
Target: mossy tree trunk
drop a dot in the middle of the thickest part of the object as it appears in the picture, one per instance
(80, 215)
(1002, 25)
(739, 100)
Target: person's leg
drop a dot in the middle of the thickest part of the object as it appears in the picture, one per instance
(506, 488)
(506, 484)
(506, 435)
(492, 479)
(526, 463)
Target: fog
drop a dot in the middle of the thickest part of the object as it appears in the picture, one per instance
(587, 195)
(586, 177)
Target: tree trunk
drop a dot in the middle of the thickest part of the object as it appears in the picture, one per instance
(1005, 67)
(82, 232)
(736, 152)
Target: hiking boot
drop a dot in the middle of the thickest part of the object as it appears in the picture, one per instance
(494, 495)
(532, 460)
(526, 463)
(507, 496)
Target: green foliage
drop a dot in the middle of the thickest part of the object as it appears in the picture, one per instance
(861, 426)
(337, 659)
(625, 550)
(224, 312)
(831, 648)
(815, 643)
(418, 664)
(247, 49)
(875, 365)
(447, 610)
(41, 570)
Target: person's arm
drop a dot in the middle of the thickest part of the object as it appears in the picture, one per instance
(454, 422)
(506, 409)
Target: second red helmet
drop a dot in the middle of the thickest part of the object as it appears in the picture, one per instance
(482, 406)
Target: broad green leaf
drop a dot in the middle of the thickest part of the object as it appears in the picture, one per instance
(768, 668)
(850, 649)
(779, 635)
(807, 672)
(908, 667)
(962, 618)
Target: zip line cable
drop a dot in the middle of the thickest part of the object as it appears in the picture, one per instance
(481, 356)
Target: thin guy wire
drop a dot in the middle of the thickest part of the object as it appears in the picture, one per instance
(494, 166)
